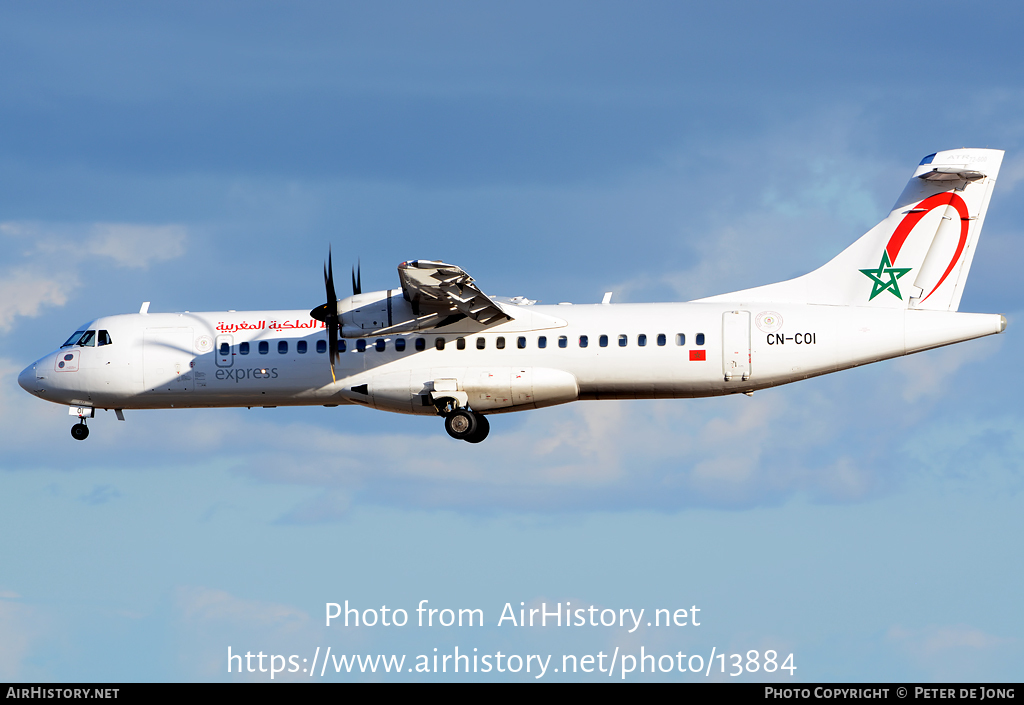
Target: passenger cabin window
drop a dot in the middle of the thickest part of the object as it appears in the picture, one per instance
(460, 343)
(641, 340)
(680, 338)
(421, 344)
(623, 340)
(439, 343)
(542, 341)
(300, 347)
(499, 343)
(321, 346)
(399, 344)
(563, 342)
(661, 339)
(481, 343)
(264, 347)
(89, 339)
(282, 347)
(243, 348)
(341, 345)
(603, 341)
(521, 342)
(361, 345)
(75, 337)
(225, 349)
(104, 338)
(380, 345)
(584, 341)
(700, 339)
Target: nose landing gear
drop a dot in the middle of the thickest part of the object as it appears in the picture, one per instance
(80, 431)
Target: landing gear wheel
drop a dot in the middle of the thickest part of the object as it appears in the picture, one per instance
(460, 424)
(483, 427)
(79, 431)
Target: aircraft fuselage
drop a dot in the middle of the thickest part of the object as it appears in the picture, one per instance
(554, 355)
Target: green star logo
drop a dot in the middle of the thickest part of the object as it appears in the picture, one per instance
(878, 277)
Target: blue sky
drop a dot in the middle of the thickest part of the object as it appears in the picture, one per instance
(203, 156)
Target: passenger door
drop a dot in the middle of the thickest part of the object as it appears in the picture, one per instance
(736, 345)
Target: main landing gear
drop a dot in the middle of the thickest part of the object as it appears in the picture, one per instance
(80, 431)
(466, 425)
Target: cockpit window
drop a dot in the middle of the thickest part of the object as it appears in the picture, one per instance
(104, 338)
(88, 339)
(73, 339)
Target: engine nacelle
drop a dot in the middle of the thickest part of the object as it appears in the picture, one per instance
(362, 314)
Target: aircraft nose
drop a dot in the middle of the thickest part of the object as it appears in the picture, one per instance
(27, 378)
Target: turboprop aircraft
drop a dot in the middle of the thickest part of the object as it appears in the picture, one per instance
(438, 345)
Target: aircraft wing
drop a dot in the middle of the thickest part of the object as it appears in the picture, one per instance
(445, 293)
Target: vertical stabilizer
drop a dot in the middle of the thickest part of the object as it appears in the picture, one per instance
(919, 256)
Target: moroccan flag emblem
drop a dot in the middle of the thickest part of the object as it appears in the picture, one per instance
(884, 277)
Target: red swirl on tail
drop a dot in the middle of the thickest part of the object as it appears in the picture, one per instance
(912, 219)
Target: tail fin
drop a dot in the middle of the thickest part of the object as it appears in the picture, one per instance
(919, 256)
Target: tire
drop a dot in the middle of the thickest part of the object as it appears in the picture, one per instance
(483, 427)
(79, 431)
(460, 424)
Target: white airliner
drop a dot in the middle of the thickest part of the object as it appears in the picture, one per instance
(439, 346)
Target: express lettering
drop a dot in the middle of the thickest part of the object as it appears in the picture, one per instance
(252, 373)
(799, 339)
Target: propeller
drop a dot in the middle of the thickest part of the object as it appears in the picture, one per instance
(328, 312)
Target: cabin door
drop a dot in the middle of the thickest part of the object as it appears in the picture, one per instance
(736, 345)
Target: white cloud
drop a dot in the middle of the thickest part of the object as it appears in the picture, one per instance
(27, 422)
(668, 454)
(24, 292)
(771, 210)
(53, 254)
(132, 245)
(925, 375)
(200, 604)
(209, 621)
(21, 628)
(955, 652)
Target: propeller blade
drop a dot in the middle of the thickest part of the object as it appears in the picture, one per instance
(332, 314)
(329, 279)
(357, 279)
